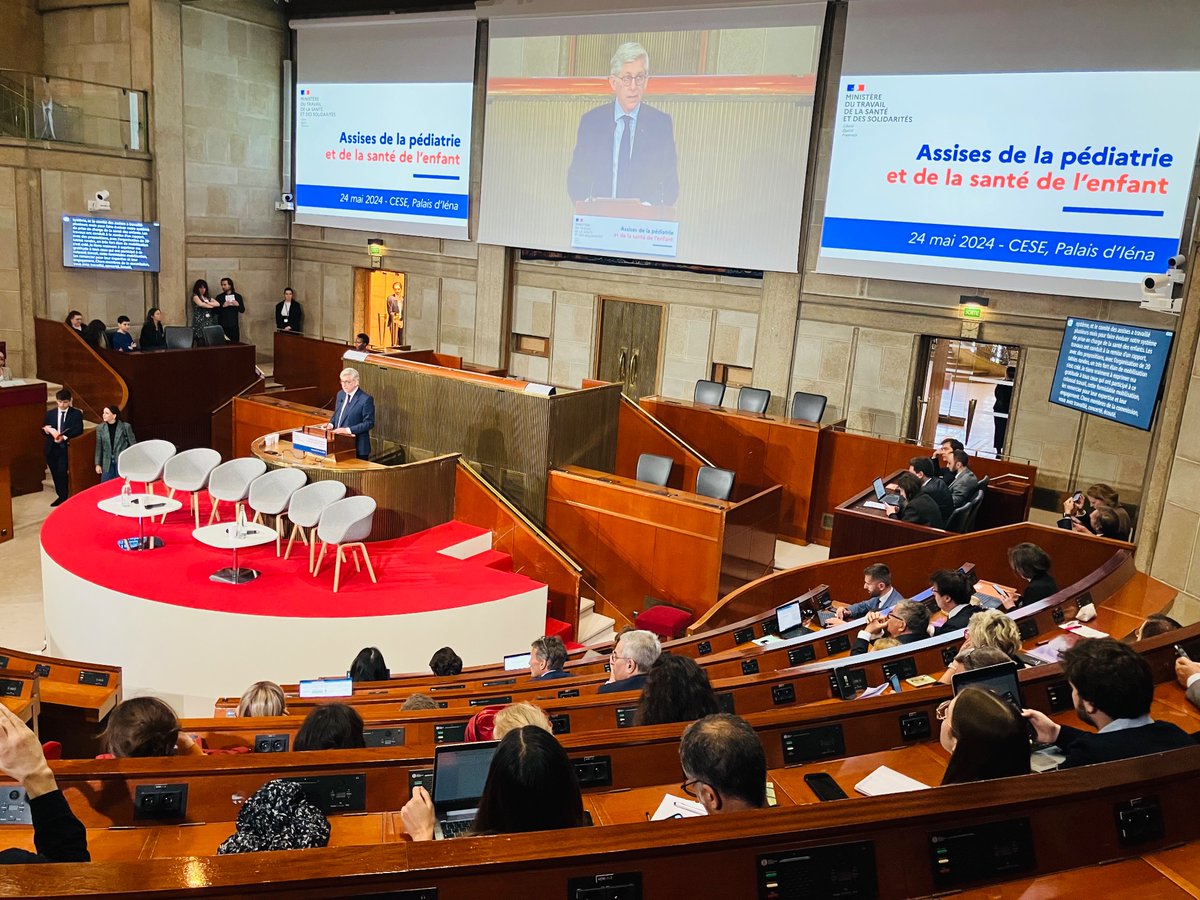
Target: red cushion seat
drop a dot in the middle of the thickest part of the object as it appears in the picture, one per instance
(668, 622)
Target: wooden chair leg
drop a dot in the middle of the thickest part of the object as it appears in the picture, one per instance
(163, 519)
(320, 558)
(367, 560)
(215, 515)
(312, 548)
(291, 540)
(257, 518)
(196, 507)
(357, 567)
(337, 569)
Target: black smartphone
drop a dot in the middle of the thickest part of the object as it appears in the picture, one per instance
(1181, 653)
(824, 786)
(843, 687)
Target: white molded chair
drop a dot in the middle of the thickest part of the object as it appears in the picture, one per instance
(231, 481)
(346, 524)
(271, 493)
(144, 462)
(304, 512)
(189, 471)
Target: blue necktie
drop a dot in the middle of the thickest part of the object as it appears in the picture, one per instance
(623, 153)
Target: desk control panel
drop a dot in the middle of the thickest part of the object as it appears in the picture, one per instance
(804, 746)
(335, 793)
(988, 851)
(845, 871)
(610, 886)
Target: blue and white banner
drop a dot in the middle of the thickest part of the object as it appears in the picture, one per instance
(395, 156)
(1060, 182)
(611, 234)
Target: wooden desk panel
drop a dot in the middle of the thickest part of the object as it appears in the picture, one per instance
(860, 529)
(22, 408)
(638, 432)
(303, 361)
(261, 414)
(1127, 878)
(762, 450)
(924, 762)
(6, 510)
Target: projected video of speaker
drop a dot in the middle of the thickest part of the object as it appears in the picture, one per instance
(679, 137)
(1072, 183)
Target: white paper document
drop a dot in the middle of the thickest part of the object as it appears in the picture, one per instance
(887, 781)
(673, 807)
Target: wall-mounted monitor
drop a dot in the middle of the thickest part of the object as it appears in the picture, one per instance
(117, 244)
(1111, 370)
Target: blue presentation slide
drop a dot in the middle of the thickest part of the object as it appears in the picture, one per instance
(1080, 175)
(1111, 370)
(397, 154)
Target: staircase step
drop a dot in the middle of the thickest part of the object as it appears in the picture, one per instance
(562, 629)
(493, 559)
(594, 624)
(604, 637)
(586, 605)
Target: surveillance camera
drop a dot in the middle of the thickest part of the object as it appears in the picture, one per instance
(1177, 261)
(101, 196)
(1154, 283)
(287, 198)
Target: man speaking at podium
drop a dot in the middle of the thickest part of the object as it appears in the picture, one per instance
(625, 149)
(354, 413)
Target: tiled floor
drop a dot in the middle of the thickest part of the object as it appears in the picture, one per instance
(23, 625)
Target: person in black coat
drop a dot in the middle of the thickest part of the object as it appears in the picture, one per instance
(1030, 562)
(232, 306)
(289, 315)
(547, 656)
(952, 593)
(153, 336)
(926, 472)
(57, 834)
(59, 426)
(916, 506)
(1113, 689)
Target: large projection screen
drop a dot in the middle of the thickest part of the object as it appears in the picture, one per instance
(710, 169)
(383, 124)
(1058, 160)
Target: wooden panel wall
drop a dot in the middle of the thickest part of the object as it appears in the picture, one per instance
(21, 412)
(65, 358)
(638, 432)
(302, 361)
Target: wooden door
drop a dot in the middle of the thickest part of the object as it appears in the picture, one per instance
(643, 353)
(616, 327)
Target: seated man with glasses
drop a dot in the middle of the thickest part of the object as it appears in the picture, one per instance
(724, 764)
(907, 621)
(626, 148)
(630, 661)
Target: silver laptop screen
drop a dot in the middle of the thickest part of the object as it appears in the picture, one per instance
(459, 775)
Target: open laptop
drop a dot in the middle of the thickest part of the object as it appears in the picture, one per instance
(516, 661)
(882, 495)
(790, 618)
(459, 773)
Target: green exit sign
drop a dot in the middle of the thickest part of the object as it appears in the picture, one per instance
(972, 312)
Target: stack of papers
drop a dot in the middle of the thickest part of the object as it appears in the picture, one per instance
(1077, 627)
(887, 781)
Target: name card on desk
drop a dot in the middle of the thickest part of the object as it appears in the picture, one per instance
(316, 444)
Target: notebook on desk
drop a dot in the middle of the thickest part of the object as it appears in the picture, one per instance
(459, 773)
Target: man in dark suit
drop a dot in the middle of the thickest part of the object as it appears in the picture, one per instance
(907, 621)
(965, 484)
(932, 486)
(354, 413)
(547, 656)
(630, 662)
(916, 506)
(625, 148)
(952, 593)
(943, 459)
(59, 426)
(289, 316)
(1112, 687)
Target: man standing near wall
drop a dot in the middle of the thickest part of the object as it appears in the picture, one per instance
(59, 426)
(232, 306)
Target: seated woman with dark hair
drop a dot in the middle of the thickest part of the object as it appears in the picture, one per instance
(333, 726)
(985, 736)
(369, 666)
(1031, 562)
(146, 726)
(677, 690)
(531, 786)
(446, 663)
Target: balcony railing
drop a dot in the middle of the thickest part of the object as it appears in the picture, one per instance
(66, 111)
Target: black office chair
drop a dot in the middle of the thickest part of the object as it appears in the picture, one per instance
(178, 337)
(709, 392)
(654, 469)
(108, 336)
(714, 482)
(974, 503)
(809, 407)
(753, 400)
(214, 336)
(958, 518)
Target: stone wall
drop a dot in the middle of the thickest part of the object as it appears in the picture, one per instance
(89, 43)
(21, 41)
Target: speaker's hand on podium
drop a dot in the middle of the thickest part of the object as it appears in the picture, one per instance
(342, 431)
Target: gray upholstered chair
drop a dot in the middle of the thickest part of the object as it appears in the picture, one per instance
(304, 512)
(654, 469)
(346, 524)
(230, 481)
(271, 493)
(144, 462)
(709, 392)
(714, 482)
(189, 471)
(753, 400)
(809, 407)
